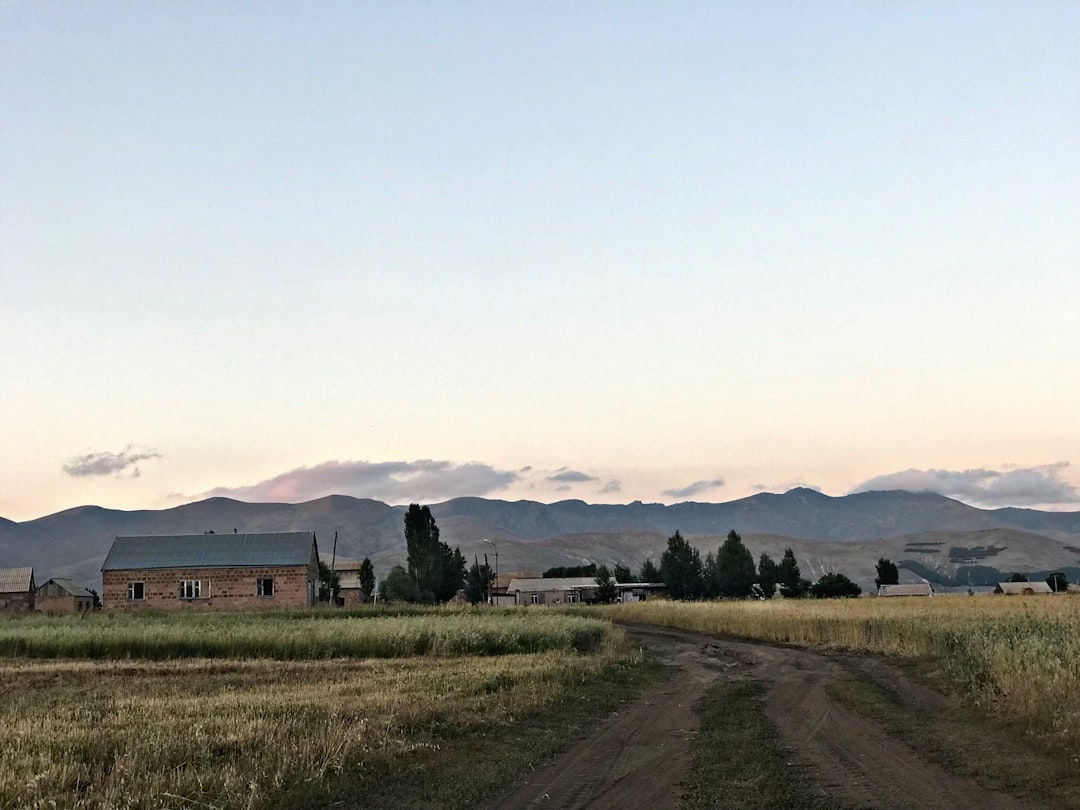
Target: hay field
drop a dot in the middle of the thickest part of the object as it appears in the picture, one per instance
(272, 728)
(1017, 656)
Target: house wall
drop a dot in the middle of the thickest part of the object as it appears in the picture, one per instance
(17, 602)
(63, 604)
(222, 588)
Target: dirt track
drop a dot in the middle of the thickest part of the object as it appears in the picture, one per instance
(638, 758)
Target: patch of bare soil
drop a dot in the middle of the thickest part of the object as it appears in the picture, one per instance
(639, 757)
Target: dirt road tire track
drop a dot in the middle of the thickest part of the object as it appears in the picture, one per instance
(639, 757)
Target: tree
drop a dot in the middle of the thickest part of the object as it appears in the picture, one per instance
(478, 581)
(649, 572)
(734, 568)
(792, 585)
(1057, 582)
(834, 586)
(1018, 577)
(367, 580)
(605, 586)
(398, 586)
(329, 583)
(437, 570)
(767, 574)
(886, 573)
(97, 599)
(564, 571)
(621, 573)
(680, 568)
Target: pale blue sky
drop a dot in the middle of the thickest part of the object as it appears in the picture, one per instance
(278, 250)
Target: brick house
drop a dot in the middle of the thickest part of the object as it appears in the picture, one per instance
(16, 590)
(219, 571)
(61, 595)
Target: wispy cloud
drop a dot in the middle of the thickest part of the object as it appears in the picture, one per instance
(611, 487)
(695, 488)
(389, 481)
(121, 464)
(1009, 486)
(565, 475)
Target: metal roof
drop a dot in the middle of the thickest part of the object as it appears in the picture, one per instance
(210, 551)
(15, 580)
(1024, 587)
(551, 584)
(913, 589)
(67, 585)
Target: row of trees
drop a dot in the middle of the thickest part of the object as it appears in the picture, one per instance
(732, 573)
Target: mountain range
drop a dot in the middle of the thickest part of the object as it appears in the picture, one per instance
(930, 535)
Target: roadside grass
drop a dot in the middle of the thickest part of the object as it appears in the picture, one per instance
(952, 737)
(1015, 657)
(738, 760)
(293, 635)
(415, 731)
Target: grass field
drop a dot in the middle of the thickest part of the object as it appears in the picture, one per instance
(271, 727)
(1020, 657)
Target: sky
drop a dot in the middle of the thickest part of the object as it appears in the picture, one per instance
(611, 251)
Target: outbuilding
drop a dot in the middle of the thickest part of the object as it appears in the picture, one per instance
(61, 595)
(221, 571)
(913, 589)
(1023, 588)
(16, 590)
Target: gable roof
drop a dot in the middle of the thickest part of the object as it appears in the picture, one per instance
(914, 589)
(16, 580)
(1023, 587)
(67, 585)
(551, 584)
(210, 551)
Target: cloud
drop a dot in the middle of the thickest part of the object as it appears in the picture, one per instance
(107, 463)
(695, 488)
(1010, 486)
(388, 481)
(611, 487)
(565, 475)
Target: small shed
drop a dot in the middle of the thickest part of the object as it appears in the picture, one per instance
(16, 590)
(1023, 588)
(915, 589)
(61, 595)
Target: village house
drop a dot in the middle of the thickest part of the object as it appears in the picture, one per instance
(552, 590)
(61, 595)
(16, 590)
(220, 571)
(349, 590)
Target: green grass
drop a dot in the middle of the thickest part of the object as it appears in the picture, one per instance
(294, 635)
(738, 760)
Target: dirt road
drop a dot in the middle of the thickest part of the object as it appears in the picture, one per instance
(639, 757)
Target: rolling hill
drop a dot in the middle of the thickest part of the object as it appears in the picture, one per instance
(846, 533)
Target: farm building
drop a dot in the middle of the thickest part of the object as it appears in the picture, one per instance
(639, 591)
(348, 572)
(61, 595)
(16, 590)
(552, 591)
(915, 589)
(1022, 588)
(220, 571)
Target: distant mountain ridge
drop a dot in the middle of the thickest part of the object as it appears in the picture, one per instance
(74, 542)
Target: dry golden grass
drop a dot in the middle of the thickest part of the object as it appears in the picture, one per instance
(1019, 656)
(240, 734)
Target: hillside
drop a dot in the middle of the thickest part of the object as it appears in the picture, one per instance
(846, 533)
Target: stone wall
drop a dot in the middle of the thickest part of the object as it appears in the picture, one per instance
(221, 588)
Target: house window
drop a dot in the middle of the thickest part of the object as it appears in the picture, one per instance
(191, 589)
(534, 599)
(136, 591)
(264, 587)
(571, 598)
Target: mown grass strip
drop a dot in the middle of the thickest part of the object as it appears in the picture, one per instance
(738, 760)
